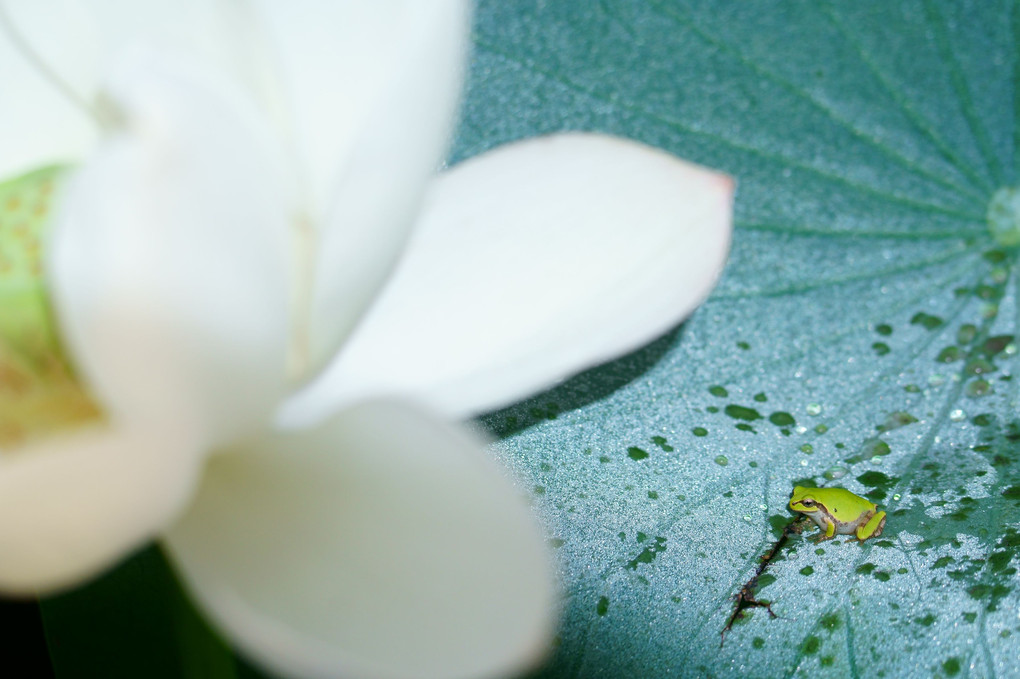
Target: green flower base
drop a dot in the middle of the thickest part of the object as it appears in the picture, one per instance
(39, 393)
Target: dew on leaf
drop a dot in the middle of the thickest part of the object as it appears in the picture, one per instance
(978, 388)
(821, 428)
(807, 570)
(966, 333)
(648, 554)
(983, 420)
(998, 561)
(995, 256)
(721, 460)
(895, 420)
(957, 415)
(719, 391)
(662, 443)
(782, 419)
(927, 321)
(760, 397)
(807, 449)
(636, 453)
(876, 479)
(699, 431)
(950, 354)
(870, 448)
(835, 472)
(602, 607)
(883, 329)
(995, 345)
(739, 412)
(978, 366)
(881, 348)
(988, 292)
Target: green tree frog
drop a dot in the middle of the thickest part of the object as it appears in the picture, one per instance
(838, 511)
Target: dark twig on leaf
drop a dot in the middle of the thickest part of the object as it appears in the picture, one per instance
(745, 597)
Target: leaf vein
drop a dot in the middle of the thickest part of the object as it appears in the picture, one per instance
(918, 120)
(818, 104)
(685, 128)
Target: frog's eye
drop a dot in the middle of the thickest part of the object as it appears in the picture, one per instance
(808, 502)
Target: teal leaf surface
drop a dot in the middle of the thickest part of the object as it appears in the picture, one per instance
(862, 336)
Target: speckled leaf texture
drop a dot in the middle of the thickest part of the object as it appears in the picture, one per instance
(863, 336)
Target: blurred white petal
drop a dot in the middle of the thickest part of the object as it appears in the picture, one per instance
(530, 263)
(383, 543)
(373, 88)
(172, 245)
(71, 506)
(39, 124)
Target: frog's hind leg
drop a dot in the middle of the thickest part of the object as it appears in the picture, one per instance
(873, 528)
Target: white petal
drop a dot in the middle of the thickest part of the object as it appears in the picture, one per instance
(46, 110)
(171, 245)
(70, 507)
(530, 263)
(382, 544)
(39, 123)
(372, 88)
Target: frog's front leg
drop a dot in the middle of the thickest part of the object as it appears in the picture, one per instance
(873, 528)
(828, 533)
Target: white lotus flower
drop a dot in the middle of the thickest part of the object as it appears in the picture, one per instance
(223, 265)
